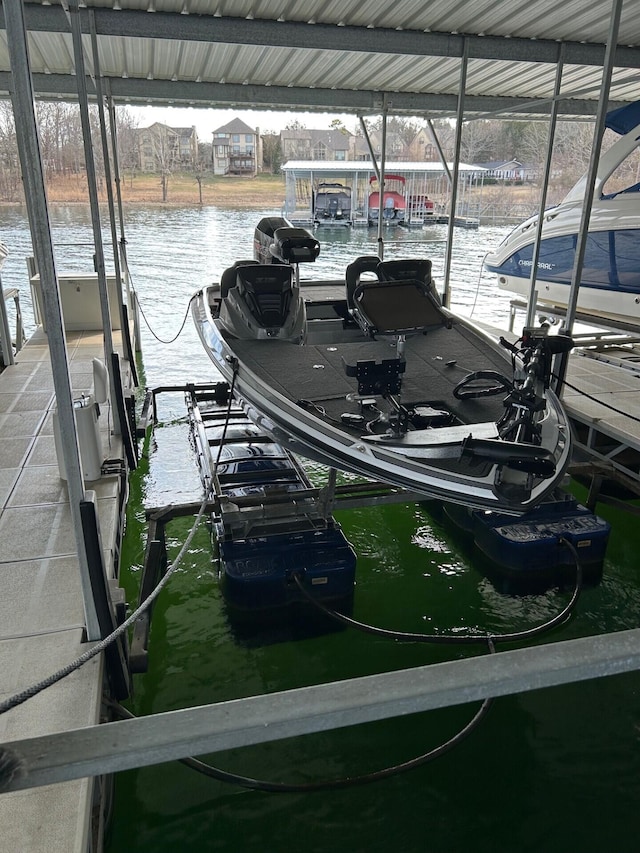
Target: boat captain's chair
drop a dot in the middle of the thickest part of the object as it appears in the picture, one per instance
(402, 302)
(229, 277)
(267, 291)
(364, 264)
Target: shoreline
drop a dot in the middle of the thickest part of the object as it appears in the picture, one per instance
(181, 190)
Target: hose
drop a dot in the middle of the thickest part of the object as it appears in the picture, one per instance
(326, 784)
(455, 639)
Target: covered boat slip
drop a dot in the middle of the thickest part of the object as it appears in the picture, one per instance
(422, 182)
(331, 56)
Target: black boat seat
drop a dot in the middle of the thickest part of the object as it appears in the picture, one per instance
(413, 269)
(229, 277)
(268, 290)
(397, 308)
(365, 263)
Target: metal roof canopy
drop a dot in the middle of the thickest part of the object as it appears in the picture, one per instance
(348, 57)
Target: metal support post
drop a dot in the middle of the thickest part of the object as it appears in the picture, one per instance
(124, 320)
(381, 177)
(81, 82)
(572, 299)
(553, 119)
(38, 214)
(446, 292)
(132, 305)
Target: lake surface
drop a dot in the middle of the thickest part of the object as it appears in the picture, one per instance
(554, 770)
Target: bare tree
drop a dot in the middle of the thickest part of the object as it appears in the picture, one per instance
(272, 152)
(9, 161)
(127, 141)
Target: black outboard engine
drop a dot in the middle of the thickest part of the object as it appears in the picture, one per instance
(277, 241)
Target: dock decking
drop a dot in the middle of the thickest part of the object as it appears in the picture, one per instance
(41, 609)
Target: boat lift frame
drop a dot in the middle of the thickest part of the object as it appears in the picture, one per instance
(239, 516)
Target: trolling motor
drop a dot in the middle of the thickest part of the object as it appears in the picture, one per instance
(531, 378)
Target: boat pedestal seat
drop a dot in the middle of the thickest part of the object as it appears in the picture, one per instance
(268, 291)
(229, 277)
(409, 269)
(397, 308)
(363, 264)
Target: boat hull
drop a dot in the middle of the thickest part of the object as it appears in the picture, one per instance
(610, 275)
(610, 280)
(301, 396)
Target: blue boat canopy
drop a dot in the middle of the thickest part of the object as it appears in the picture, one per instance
(623, 119)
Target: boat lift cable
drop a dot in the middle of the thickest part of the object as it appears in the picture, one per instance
(326, 784)
(148, 325)
(100, 646)
(477, 293)
(458, 638)
(160, 340)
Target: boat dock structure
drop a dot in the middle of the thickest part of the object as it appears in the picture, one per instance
(73, 414)
(426, 191)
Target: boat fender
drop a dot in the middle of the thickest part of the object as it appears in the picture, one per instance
(100, 382)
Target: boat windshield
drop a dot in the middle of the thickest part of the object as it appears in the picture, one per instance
(625, 178)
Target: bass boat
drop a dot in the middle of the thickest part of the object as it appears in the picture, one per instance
(371, 374)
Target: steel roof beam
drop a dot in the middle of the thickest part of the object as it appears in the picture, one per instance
(135, 23)
(190, 93)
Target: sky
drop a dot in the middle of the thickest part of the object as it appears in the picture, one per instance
(208, 120)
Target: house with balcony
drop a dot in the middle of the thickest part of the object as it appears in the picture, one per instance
(308, 144)
(236, 149)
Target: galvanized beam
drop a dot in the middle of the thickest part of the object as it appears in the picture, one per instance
(365, 102)
(112, 747)
(136, 23)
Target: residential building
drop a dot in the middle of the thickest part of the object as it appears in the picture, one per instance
(306, 144)
(236, 149)
(508, 171)
(395, 147)
(162, 148)
(421, 147)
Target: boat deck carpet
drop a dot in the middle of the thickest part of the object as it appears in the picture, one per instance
(435, 363)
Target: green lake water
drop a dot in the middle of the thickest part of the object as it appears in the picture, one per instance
(551, 770)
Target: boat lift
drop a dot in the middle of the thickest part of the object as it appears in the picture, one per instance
(267, 518)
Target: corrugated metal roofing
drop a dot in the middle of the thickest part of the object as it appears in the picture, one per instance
(339, 55)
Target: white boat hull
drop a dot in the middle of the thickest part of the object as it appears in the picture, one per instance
(610, 276)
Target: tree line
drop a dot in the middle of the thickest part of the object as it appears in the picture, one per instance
(61, 143)
(483, 140)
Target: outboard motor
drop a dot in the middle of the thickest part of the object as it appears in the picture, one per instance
(263, 237)
(277, 241)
